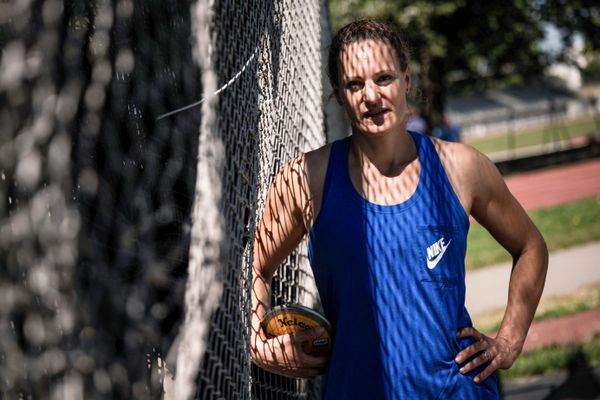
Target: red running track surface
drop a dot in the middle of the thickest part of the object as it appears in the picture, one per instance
(556, 185)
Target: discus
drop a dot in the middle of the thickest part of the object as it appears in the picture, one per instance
(294, 318)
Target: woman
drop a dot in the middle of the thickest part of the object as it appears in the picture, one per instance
(386, 213)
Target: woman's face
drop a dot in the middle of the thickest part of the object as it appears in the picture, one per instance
(373, 87)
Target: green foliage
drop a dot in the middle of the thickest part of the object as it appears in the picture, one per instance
(591, 73)
(483, 39)
(574, 16)
(473, 45)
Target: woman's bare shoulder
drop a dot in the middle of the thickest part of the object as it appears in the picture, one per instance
(316, 162)
(305, 172)
(315, 166)
(464, 166)
(458, 156)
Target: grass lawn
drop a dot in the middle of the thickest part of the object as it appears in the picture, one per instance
(587, 298)
(553, 358)
(562, 226)
(535, 136)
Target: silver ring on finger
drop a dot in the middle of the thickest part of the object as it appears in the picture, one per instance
(487, 355)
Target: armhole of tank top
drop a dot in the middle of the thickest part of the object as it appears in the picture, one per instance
(455, 198)
(326, 183)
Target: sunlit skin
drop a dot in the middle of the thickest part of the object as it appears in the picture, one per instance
(384, 168)
(383, 165)
(374, 88)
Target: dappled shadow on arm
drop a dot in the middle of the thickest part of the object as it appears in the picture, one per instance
(283, 225)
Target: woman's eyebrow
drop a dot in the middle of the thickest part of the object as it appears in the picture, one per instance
(352, 77)
(380, 72)
(385, 71)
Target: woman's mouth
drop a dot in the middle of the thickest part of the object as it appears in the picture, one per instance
(375, 113)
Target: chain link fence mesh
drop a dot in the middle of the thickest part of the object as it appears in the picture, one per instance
(96, 189)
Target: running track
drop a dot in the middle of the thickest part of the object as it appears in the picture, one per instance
(556, 185)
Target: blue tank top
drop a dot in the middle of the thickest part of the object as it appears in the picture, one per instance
(392, 283)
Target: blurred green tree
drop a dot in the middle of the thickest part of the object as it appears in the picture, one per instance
(472, 45)
(572, 17)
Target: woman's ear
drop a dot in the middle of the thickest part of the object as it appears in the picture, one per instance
(407, 78)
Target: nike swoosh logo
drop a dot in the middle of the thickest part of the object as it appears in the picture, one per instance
(431, 264)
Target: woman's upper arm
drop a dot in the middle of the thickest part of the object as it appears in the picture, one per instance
(282, 224)
(495, 208)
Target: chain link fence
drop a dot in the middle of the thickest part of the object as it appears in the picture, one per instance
(98, 157)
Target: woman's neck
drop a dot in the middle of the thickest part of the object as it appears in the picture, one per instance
(389, 153)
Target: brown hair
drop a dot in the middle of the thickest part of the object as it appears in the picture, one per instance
(365, 29)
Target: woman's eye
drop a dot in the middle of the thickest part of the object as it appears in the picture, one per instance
(354, 85)
(385, 79)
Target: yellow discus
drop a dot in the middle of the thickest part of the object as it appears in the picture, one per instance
(293, 318)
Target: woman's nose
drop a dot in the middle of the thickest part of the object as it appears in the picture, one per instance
(370, 92)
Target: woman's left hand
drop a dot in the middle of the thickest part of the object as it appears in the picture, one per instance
(495, 353)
